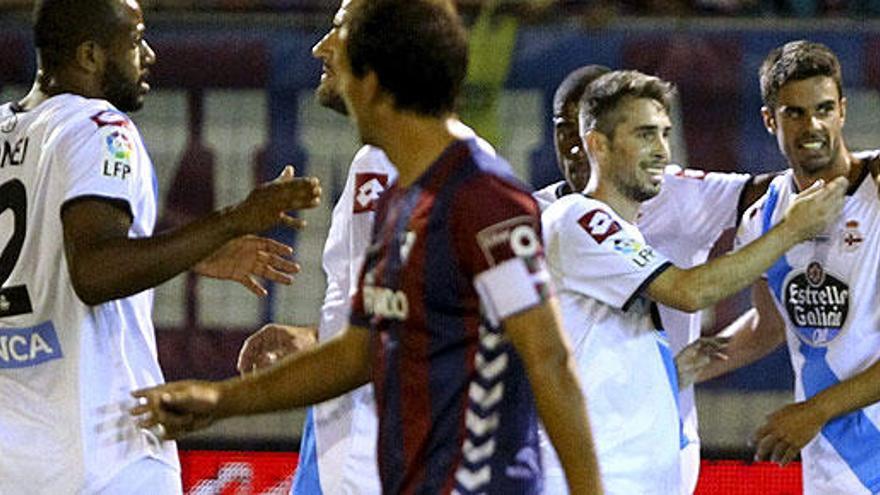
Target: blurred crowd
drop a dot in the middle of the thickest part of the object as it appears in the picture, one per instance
(542, 8)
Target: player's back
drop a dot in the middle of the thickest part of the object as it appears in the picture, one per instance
(66, 368)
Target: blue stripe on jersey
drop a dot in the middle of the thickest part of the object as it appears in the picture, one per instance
(307, 480)
(853, 436)
(672, 375)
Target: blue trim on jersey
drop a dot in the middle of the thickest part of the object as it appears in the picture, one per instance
(672, 376)
(777, 273)
(853, 436)
(307, 480)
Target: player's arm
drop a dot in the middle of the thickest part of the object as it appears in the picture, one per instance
(106, 264)
(314, 375)
(557, 392)
(704, 285)
(755, 334)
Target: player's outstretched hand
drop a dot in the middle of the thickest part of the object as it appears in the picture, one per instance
(696, 356)
(816, 207)
(271, 343)
(786, 431)
(169, 411)
(247, 258)
(266, 206)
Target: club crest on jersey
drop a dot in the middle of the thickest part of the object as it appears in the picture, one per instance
(26, 347)
(118, 152)
(515, 237)
(851, 238)
(368, 188)
(9, 123)
(599, 224)
(817, 303)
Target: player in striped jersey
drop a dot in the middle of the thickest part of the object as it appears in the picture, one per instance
(608, 278)
(677, 222)
(824, 290)
(463, 345)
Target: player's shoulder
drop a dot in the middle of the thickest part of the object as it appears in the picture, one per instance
(755, 215)
(372, 159)
(548, 194)
(572, 207)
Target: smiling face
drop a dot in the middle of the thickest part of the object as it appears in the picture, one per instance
(808, 124)
(129, 57)
(638, 148)
(326, 50)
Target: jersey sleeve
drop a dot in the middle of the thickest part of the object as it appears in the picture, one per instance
(497, 236)
(707, 203)
(597, 254)
(752, 224)
(104, 157)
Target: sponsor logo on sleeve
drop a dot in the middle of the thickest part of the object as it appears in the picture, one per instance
(26, 347)
(817, 303)
(515, 237)
(118, 153)
(110, 118)
(368, 188)
(599, 225)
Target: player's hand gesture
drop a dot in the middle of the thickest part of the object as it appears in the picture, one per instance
(266, 206)
(696, 356)
(786, 432)
(169, 411)
(246, 258)
(271, 343)
(815, 208)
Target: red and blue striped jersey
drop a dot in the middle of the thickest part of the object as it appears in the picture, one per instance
(452, 256)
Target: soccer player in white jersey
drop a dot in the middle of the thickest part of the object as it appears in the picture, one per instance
(683, 221)
(825, 290)
(609, 278)
(76, 336)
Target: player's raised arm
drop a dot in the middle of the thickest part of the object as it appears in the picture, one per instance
(537, 336)
(311, 376)
(106, 264)
(699, 287)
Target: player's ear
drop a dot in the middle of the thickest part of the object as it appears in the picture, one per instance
(842, 110)
(596, 144)
(769, 119)
(90, 57)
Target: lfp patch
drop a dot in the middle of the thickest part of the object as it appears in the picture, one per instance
(119, 146)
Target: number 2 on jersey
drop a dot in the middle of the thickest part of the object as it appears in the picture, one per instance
(13, 300)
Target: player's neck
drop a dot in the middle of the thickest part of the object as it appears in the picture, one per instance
(46, 86)
(622, 204)
(846, 165)
(413, 143)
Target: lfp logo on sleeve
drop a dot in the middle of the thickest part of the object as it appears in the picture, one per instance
(118, 151)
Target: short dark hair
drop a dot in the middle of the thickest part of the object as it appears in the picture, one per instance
(572, 87)
(796, 61)
(417, 48)
(60, 26)
(597, 109)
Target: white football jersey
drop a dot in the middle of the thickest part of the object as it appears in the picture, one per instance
(826, 290)
(346, 427)
(683, 222)
(67, 369)
(600, 264)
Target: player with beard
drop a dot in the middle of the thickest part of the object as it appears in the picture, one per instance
(337, 451)
(678, 224)
(76, 274)
(610, 279)
(824, 290)
(452, 321)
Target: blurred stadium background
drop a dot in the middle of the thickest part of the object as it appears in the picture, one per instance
(232, 103)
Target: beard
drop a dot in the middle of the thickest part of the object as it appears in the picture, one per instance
(120, 90)
(330, 98)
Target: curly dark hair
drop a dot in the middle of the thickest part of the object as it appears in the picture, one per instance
(60, 26)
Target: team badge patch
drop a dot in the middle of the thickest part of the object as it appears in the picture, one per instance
(599, 225)
(368, 188)
(817, 304)
(110, 118)
(511, 238)
(851, 238)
